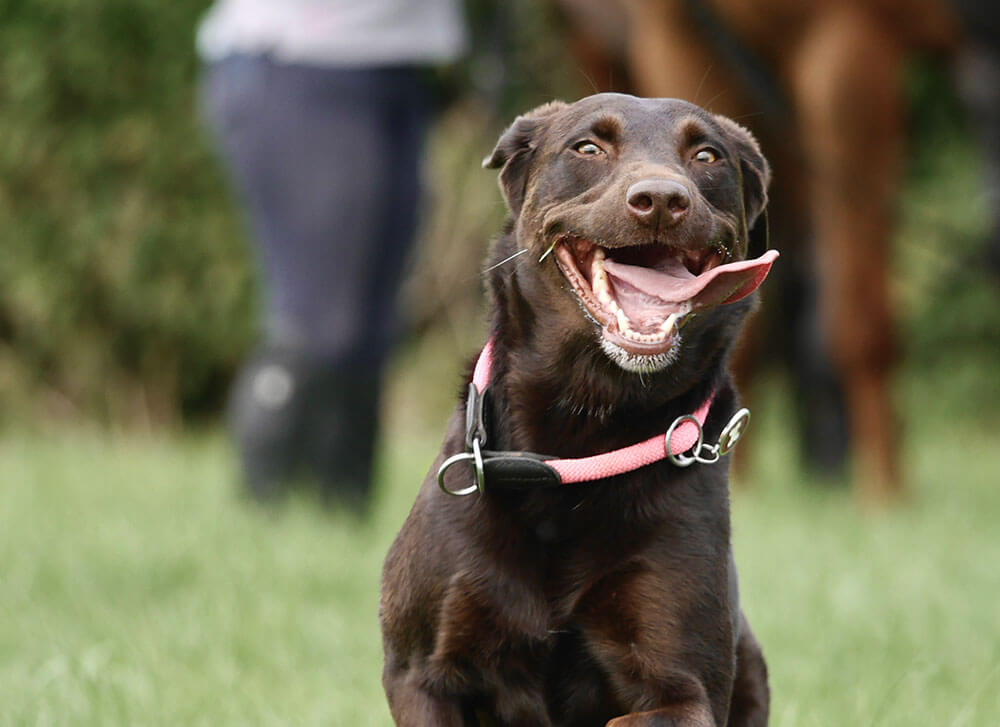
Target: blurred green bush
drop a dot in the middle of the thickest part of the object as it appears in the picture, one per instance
(125, 291)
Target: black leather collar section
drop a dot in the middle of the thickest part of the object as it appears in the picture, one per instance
(517, 471)
(504, 470)
(475, 426)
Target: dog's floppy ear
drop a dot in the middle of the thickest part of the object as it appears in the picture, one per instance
(756, 175)
(514, 150)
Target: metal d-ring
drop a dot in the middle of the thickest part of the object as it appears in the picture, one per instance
(680, 459)
(476, 455)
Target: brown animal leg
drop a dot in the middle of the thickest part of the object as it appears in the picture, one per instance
(412, 706)
(751, 695)
(668, 58)
(845, 79)
(677, 716)
(750, 700)
(647, 654)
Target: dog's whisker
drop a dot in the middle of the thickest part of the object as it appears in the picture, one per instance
(505, 260)
(747, 116)
(588, 79)
(716, 97)
(701, 83)
(546, 253)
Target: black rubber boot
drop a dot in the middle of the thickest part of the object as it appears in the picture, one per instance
(266, 410)
(340, 431)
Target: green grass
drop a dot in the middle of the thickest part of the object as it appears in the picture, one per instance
(878, 618)
(136, 588)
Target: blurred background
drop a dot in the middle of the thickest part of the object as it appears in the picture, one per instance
(137, 588)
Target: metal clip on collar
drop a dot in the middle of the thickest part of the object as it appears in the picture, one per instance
(708, 453)
(475, 436)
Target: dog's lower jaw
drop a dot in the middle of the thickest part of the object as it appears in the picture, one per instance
(635, 363)
(638, 363)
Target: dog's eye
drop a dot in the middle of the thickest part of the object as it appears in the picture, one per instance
(587, 147)
(706, 156)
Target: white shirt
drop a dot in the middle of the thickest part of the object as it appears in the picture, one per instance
(335, 32)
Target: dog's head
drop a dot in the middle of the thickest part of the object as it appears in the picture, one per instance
(646, 216)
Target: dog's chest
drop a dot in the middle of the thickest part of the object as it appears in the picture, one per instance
(532, 646)
(535, 639)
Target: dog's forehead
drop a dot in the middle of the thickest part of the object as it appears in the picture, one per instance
(634, 114)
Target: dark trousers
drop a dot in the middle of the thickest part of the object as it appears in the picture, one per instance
(326, 164)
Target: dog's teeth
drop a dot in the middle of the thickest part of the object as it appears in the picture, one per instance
(644, 337)
(600, 285)
(623, 325)
(668, 324)
(597, 264)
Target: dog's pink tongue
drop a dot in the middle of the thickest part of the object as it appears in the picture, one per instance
(677, 287)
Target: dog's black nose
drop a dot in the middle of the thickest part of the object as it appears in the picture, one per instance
(658, 201)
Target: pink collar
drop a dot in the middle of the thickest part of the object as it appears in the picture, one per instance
(525, 468)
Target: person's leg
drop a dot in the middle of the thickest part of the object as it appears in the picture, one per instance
(331, 197)
(340, 438)
(243, 106)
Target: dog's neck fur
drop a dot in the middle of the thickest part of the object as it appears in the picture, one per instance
(563, 396)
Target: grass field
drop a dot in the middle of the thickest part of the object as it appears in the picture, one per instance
(136, 588)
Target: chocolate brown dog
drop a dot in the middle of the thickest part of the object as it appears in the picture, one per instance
(541, 599)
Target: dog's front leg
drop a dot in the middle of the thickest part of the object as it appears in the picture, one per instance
(413, 706)
(750, 704)
(678, 715)
(670, 663)
(667, 717)
(694, 712)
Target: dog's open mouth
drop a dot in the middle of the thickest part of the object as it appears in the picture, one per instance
(641, 295)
